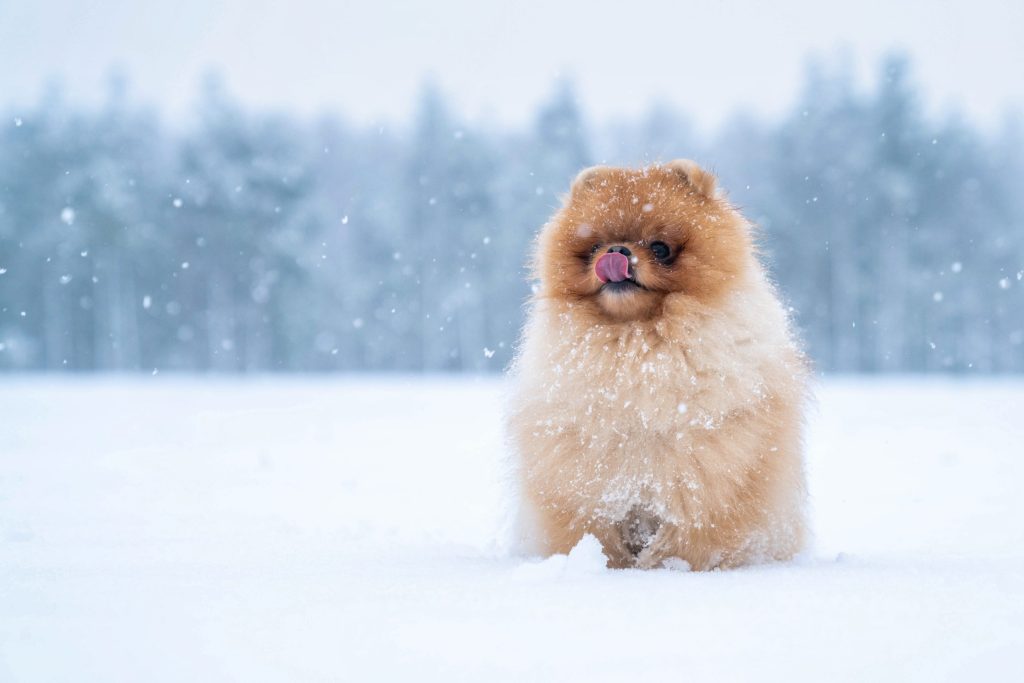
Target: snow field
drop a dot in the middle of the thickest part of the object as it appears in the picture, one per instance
(354, 529)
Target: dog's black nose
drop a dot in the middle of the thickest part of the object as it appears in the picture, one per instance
(620, 249)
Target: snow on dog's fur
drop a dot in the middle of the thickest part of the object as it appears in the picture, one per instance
(660, 407)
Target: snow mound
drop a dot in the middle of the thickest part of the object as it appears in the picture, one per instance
(586, 558)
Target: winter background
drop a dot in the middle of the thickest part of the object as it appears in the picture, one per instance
(262, 267)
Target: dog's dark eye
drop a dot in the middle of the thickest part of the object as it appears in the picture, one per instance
(660, 250)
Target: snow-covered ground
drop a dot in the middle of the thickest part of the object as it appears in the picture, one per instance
(344, 530)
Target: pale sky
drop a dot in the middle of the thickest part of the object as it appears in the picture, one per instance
(497, 60)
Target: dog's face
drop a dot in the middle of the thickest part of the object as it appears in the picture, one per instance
(628, 240)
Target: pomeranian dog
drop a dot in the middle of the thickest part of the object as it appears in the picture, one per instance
(658, 392)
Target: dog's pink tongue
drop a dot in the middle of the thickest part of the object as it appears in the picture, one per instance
(612, 267)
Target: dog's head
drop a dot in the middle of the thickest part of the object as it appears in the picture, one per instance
(627, 240)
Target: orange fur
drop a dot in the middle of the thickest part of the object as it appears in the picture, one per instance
(663, 418)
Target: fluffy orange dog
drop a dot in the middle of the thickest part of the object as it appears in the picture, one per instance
(658, 392)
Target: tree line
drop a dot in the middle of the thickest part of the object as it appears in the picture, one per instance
(261, 241)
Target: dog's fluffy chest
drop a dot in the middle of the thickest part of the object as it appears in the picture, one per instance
(630, 384)
(623, 388)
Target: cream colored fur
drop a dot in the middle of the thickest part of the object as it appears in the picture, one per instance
(677, 436)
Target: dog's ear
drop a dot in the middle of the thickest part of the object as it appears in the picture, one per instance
(588, 178)
(693, 175)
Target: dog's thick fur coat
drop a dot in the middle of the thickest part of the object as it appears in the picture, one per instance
(664, 416)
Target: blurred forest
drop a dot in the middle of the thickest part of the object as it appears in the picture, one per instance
(258, 241)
